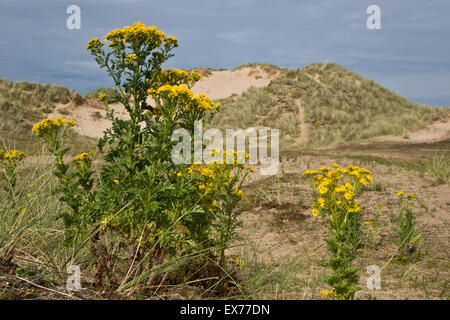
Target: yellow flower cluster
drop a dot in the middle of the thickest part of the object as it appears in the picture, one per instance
(131, 58)
(239, 192)
(308, 173)
(208, 180)
(171, 41)
(49, 125)
(13, 154)
(368, 223)
(401, 193)
(173, 76)
(200, 102)
(94, 43)
(328, 293)
(83, 162)
(139, 32)
(174, 91)
(182, 95)
(83, 157)
(103, 97)
(10, 157)
(336, 189)
(216, 174)
(176, 76)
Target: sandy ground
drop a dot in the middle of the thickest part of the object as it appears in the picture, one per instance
(438, 131)
(90, 121)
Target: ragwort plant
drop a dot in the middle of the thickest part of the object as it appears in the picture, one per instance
(140, 204)
(334, 192)
(8, 161)
(11, 210)
(221, 185)
(407, 235)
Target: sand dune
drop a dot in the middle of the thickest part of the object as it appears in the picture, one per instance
(223, 84)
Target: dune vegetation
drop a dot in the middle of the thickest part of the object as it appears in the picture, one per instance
(339, 106)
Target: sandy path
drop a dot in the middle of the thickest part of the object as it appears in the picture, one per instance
(304, 128)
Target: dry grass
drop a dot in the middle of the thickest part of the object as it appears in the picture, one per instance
(268, 68)
(30, 95)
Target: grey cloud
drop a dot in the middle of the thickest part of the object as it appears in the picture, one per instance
(409, 55)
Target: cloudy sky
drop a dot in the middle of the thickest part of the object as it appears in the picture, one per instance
(410, 54)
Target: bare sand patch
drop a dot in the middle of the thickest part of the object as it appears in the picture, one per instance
(223, 84)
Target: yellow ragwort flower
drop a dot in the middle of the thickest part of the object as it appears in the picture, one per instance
(103, 97)
(82, 157)
(11, 157)
(323, 190)
(328, 293)
(137, 34)
(94, 44)
(131, 58)
(50, 126)
(321, 202)
(310, 173)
